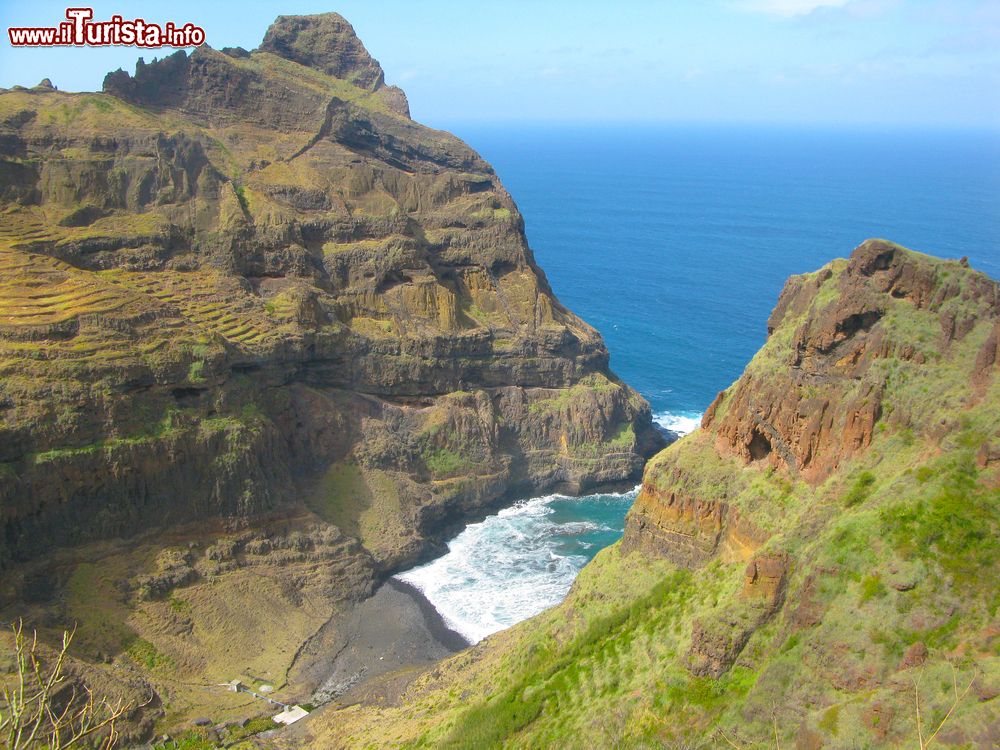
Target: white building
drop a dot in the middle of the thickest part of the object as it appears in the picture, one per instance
(291, 715)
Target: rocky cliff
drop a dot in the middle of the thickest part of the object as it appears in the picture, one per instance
(236, 269)
(815, 567)
(245, 290)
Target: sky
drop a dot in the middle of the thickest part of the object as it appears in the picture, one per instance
(882, 63)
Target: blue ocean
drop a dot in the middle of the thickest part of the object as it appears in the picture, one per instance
(674, 242)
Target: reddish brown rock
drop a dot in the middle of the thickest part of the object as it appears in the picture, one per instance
(807, 739)
(809, 611)
(765, 578)
(715, 645)
(988, 359)
(687, 529)
(879, 719)
(807, 407)
(984, 456)
(915, 655)
(683, 529)
(811, 416)
(716, 642)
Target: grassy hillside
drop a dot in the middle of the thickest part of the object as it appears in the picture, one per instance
(790, 576)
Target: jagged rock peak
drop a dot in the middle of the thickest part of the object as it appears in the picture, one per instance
(326, 42)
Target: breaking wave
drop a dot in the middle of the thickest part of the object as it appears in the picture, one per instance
(520, 561)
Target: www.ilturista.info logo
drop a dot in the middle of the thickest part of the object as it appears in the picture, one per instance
(80, 31)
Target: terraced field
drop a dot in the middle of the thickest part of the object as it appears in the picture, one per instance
(43, 299)
(20, 227)
(210, 301)
(39, 291)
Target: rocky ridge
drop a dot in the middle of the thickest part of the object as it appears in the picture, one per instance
(814, 567)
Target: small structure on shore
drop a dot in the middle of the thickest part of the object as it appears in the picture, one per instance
(290, 715)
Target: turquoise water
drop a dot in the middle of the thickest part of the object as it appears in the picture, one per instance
(514, 564)
(674, 243)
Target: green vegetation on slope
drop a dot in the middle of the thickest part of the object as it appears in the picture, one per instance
(890, 598)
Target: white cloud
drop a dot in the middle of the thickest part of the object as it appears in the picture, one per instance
(789, 8)
(799, 8)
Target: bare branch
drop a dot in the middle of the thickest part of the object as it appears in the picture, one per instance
(916, 703)
(729, 741)
(29, 716)
(954, 705)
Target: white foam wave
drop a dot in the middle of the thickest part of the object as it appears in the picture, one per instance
(681, 423)
(510, 566)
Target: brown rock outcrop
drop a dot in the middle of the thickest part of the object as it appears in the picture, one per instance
(816, 395)
(988, 359)
(326, 42)
(716, 642)
(819, 407)
(690, 530)
(764, 579)
(915, 655)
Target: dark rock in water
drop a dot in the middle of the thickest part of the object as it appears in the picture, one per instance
(668, 435)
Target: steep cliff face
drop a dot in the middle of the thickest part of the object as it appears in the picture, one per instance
(236, 278)
(843, 345)
(815, 567)
(278, 336)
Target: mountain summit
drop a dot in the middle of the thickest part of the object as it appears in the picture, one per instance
(326, 43)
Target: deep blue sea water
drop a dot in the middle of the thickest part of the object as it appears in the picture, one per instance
(674, 242)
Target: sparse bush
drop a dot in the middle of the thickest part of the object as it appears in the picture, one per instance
(859, 490)
(191, 740)
(955, 527)
(43, 708)
(252, 727)
(444, 461)
(145, 654)
(872, 588)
